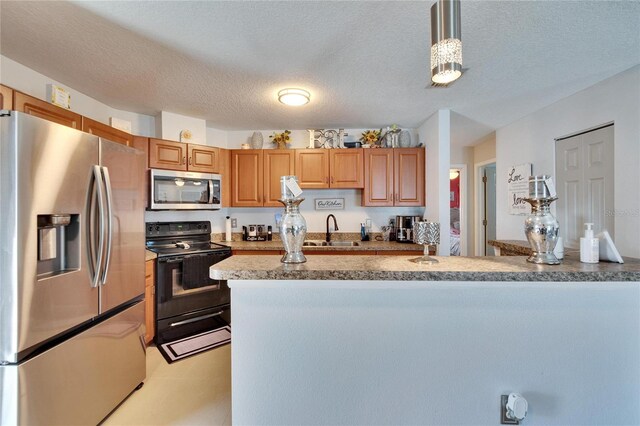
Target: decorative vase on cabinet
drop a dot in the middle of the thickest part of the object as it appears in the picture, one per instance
(257, 140)
(405, 139)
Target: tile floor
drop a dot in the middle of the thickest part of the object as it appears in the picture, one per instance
(194, 391)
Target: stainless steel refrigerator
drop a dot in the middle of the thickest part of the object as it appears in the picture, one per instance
(71, 273)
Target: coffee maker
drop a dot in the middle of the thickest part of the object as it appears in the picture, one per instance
(404, 228)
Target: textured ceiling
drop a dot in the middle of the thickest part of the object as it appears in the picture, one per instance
(365, 63)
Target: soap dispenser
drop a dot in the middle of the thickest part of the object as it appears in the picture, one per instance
(589, 246)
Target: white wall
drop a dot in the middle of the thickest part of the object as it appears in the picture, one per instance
(393, 352)
(435, 133)
(531, 140)
(171, 124)
(26, 80)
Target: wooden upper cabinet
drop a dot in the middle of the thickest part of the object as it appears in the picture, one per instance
(225, 172)
(277, 163)
(203, 159)
(247, 178)
(346, 168)
(378, 177)
(167, 155)
(106, 132)
(409, 176)
(36, 107)
(6, 97)
(312, 168)
(394, 177)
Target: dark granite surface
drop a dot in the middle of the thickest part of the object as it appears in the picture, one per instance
(454, 268)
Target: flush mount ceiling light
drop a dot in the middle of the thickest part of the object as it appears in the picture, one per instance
(446, 44)
(294, 97)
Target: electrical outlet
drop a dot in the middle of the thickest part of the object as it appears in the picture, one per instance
(367, 223)
(503, 412)
(234, 222)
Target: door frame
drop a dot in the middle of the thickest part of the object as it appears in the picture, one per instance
(463, 207)
(479, 205)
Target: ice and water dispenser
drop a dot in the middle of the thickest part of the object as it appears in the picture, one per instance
(58, 244)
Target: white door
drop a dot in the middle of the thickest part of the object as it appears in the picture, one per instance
(584, 174)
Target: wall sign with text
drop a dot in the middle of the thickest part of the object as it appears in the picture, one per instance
(329, 203)
(518, 188)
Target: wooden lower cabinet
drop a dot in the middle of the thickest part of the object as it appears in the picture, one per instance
(6, 97)
(149, 300)
(107, 132)
(38, 108)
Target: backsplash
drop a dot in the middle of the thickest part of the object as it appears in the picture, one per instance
(349, 219)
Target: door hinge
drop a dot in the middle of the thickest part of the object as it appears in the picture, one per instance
(484, 222)
(484, 179)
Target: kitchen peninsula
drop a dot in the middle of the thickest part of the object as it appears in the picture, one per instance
(381, 340)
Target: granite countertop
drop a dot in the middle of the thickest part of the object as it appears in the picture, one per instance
(363, 245)
(515, 246)
(149, 255)
(398, 268)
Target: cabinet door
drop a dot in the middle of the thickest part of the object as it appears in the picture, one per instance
(225, 172)
(312, 168)
(167, 155)
(409, 179)
(247, 169)
(106, 132)
(346, 168)
(142, 143)
(6, 97)
(378, 172)
(42, 109)
(277, 163)
(149, 301)
(203, 159)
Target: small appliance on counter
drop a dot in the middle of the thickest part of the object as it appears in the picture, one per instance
(404, 228)
(256, 233)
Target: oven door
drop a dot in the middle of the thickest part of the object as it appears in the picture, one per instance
(185, 190)
(183, 284)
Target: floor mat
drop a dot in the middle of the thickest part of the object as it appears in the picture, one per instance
(183, 348)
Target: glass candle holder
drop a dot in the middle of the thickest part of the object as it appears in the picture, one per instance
(427, 234)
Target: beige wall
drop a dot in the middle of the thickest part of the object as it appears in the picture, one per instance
(485, 150)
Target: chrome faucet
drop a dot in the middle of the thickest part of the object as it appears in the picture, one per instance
(335, 227)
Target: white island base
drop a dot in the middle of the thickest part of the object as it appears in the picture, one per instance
(412, 352)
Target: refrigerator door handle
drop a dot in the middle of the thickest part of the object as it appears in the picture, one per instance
(97, 178)
(109, 230)
(210, 191)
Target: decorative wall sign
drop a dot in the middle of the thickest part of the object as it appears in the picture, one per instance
(329, 203)
(518, 188)
(58, 96)
(326, 138)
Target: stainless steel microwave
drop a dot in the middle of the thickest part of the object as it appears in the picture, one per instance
(172, 190)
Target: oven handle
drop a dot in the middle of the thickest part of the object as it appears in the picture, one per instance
(175, 324)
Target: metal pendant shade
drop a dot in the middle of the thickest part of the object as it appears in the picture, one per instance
(446, 42)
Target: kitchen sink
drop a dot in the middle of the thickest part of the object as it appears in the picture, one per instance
(320, 243)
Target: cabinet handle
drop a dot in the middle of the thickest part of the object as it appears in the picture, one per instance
(190, 159)
(331, 179)
(184, 160)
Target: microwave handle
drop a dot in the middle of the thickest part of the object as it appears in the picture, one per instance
(210, 191)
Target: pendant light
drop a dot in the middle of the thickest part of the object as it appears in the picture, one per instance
(446, 44)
